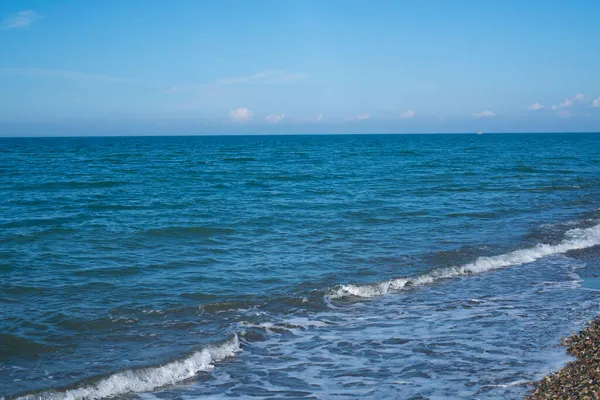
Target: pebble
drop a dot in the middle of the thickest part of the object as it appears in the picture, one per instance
(580, 379)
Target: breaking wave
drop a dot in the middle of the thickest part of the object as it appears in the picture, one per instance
(146, 379)
(574, 239)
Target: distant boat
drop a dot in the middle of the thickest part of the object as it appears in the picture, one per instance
(480, 133)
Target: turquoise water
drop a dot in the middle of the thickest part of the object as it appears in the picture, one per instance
(409, 266)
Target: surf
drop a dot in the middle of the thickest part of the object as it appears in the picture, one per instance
(574, 239)
(147, 379)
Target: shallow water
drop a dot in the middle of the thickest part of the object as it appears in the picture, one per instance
(425, 266)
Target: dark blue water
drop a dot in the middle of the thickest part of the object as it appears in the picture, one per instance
(414, 266)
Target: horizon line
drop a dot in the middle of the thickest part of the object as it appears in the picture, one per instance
(289, 134)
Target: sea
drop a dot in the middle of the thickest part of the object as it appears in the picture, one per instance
(294, 267)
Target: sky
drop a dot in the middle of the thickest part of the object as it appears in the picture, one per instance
(148, 67)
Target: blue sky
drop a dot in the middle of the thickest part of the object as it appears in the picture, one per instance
(285, 66)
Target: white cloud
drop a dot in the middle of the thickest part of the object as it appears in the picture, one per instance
(563, 114)
(319, 118)
(22, 19)
(408, 114)
(567, 103)
(554, 108)
(241, 114)
(63, 74)
(536, 106)
(275, 118)
(484, 114)
(360, 117)
(596, 102)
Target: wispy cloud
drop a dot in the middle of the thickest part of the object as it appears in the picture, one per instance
(264, 77)
(574, 102)
(536, 106)
(484, 114)
(241, 114)
(569, 101)
(189, 88)
(275, 118)
(361, 117)
(304, 120)
(245, 79)
(63, 74)
(22, 19)
(408, 114)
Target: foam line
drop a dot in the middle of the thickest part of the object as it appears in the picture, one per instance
(146, 379)
(574, 239)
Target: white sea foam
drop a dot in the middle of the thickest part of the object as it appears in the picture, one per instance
(146, 379)
(521, 382)
(574, 239)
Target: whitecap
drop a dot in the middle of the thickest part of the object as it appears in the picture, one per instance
(146, 379)
(575, 239)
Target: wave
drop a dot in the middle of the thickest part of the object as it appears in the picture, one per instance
(17, 346)
(574, 239)
(146, 379)
(65, 185)
(521, 382)
(187, 231)
(238, 159)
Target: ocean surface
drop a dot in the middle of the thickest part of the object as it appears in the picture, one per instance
(323, 267)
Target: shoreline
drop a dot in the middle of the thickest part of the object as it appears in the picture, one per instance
(579, 379)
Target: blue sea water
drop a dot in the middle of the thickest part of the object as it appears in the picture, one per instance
(360, 266)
